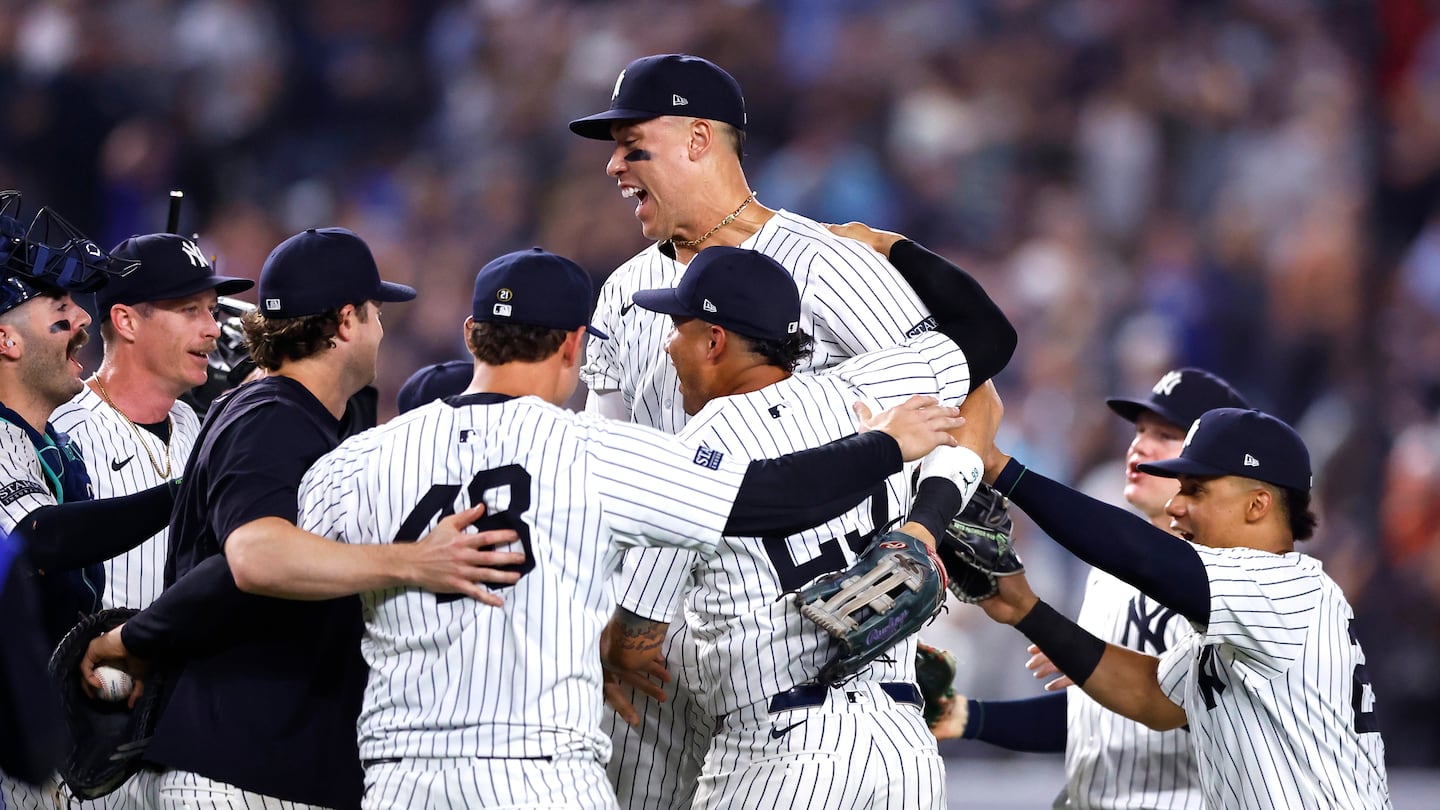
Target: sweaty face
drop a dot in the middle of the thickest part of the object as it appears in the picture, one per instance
(647, 164)
(1208, 511)
(175, 337)
(1155, 440)
(687, 344)
(53, 330)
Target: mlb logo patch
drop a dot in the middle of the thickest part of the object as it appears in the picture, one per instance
(501, 310)
(272, 304)
(706, 457)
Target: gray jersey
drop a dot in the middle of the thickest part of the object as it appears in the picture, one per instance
(1275, 688)
(451, 677)
(753, 643)
(851, 301)
(1112, 761)
(119, 460)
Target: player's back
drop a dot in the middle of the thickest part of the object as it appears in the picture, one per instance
(752, 642)
(450, 676)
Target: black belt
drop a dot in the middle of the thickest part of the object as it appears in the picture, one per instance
(810, 695)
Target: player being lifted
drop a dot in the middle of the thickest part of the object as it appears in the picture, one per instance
(782, 739)
(677, 123)
(467, 706)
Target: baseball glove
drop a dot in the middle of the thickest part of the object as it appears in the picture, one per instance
(976, 547)
(895, 587)
(106, 739)
(935, 675)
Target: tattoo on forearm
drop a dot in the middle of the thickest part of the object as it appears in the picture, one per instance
(638, 633)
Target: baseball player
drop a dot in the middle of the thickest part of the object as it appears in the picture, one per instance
(158, 327)
(782, 739)
(1110, 760)
(1273, 683)
(678, 126)
(241, 666)
(470, 707)
(45, 492)
(432, 382)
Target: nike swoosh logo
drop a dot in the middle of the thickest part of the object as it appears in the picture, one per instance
(777, 733)
(625, 308)
(119, 464)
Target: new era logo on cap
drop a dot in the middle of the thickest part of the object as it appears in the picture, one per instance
(1231, 441)
(678, 101)
(707, 306)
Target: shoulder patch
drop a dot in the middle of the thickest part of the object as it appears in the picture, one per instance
(15, 490)
(922, 327)
(705, 457)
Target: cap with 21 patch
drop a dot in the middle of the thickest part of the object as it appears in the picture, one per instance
(536, 288)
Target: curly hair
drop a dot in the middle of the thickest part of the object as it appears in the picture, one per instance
(787, 354)
(272, 341)
(1296, 504)
(496, 344)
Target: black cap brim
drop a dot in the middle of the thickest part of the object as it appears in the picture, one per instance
(1176, 467)
(597, 126)
(390, 292)
(665, 301)
(1130, 410)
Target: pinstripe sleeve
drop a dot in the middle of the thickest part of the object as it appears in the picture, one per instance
(328, 497)
(653, 581)
(23, 490)
(656, 491)
(861, 300)
(1261, 605)
(1175, 665)
(930, 365)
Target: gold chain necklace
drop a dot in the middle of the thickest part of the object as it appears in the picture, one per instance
(105, 395)
(690, 243)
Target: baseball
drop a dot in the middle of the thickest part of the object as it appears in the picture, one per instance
(115, 684)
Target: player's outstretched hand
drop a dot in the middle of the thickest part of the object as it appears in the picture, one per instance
(1013, 601)
(108, 650)
(919, 424)
(879, 241)
(452, 560)
(954, 713)
(1041, 667)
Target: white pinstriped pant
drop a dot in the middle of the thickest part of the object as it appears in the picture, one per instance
(183, 790)
(564, 783)
(138, 793)
(861, 749)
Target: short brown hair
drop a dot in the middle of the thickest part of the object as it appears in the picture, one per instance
(496, 344)
(272, 341)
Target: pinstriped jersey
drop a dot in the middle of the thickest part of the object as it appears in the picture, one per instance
(752, 644)
(119, 465)
(1112, 761)
(1275, 689)
(453, 677)
(24, 487)
(851, 301)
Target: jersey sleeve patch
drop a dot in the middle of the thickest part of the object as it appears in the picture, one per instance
(710, 459)
(15, 490)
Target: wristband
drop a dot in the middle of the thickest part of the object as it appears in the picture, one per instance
(1072, 649)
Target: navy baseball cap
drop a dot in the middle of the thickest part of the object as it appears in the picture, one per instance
(1180, 397)
(165, 266)
(319, 270)
(742, 290)
(433, 382)
(1235, 441)
(536, 288)
(668, 84)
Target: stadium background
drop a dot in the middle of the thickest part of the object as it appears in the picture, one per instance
(1246, 185)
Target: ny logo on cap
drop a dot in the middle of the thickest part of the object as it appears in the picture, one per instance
(1167, 384)
(192, 252)
(616, 92)
(1250, 461)
(707, 306)
(678, 101)
(1194, 426)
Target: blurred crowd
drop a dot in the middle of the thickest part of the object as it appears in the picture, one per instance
(1250, 186)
